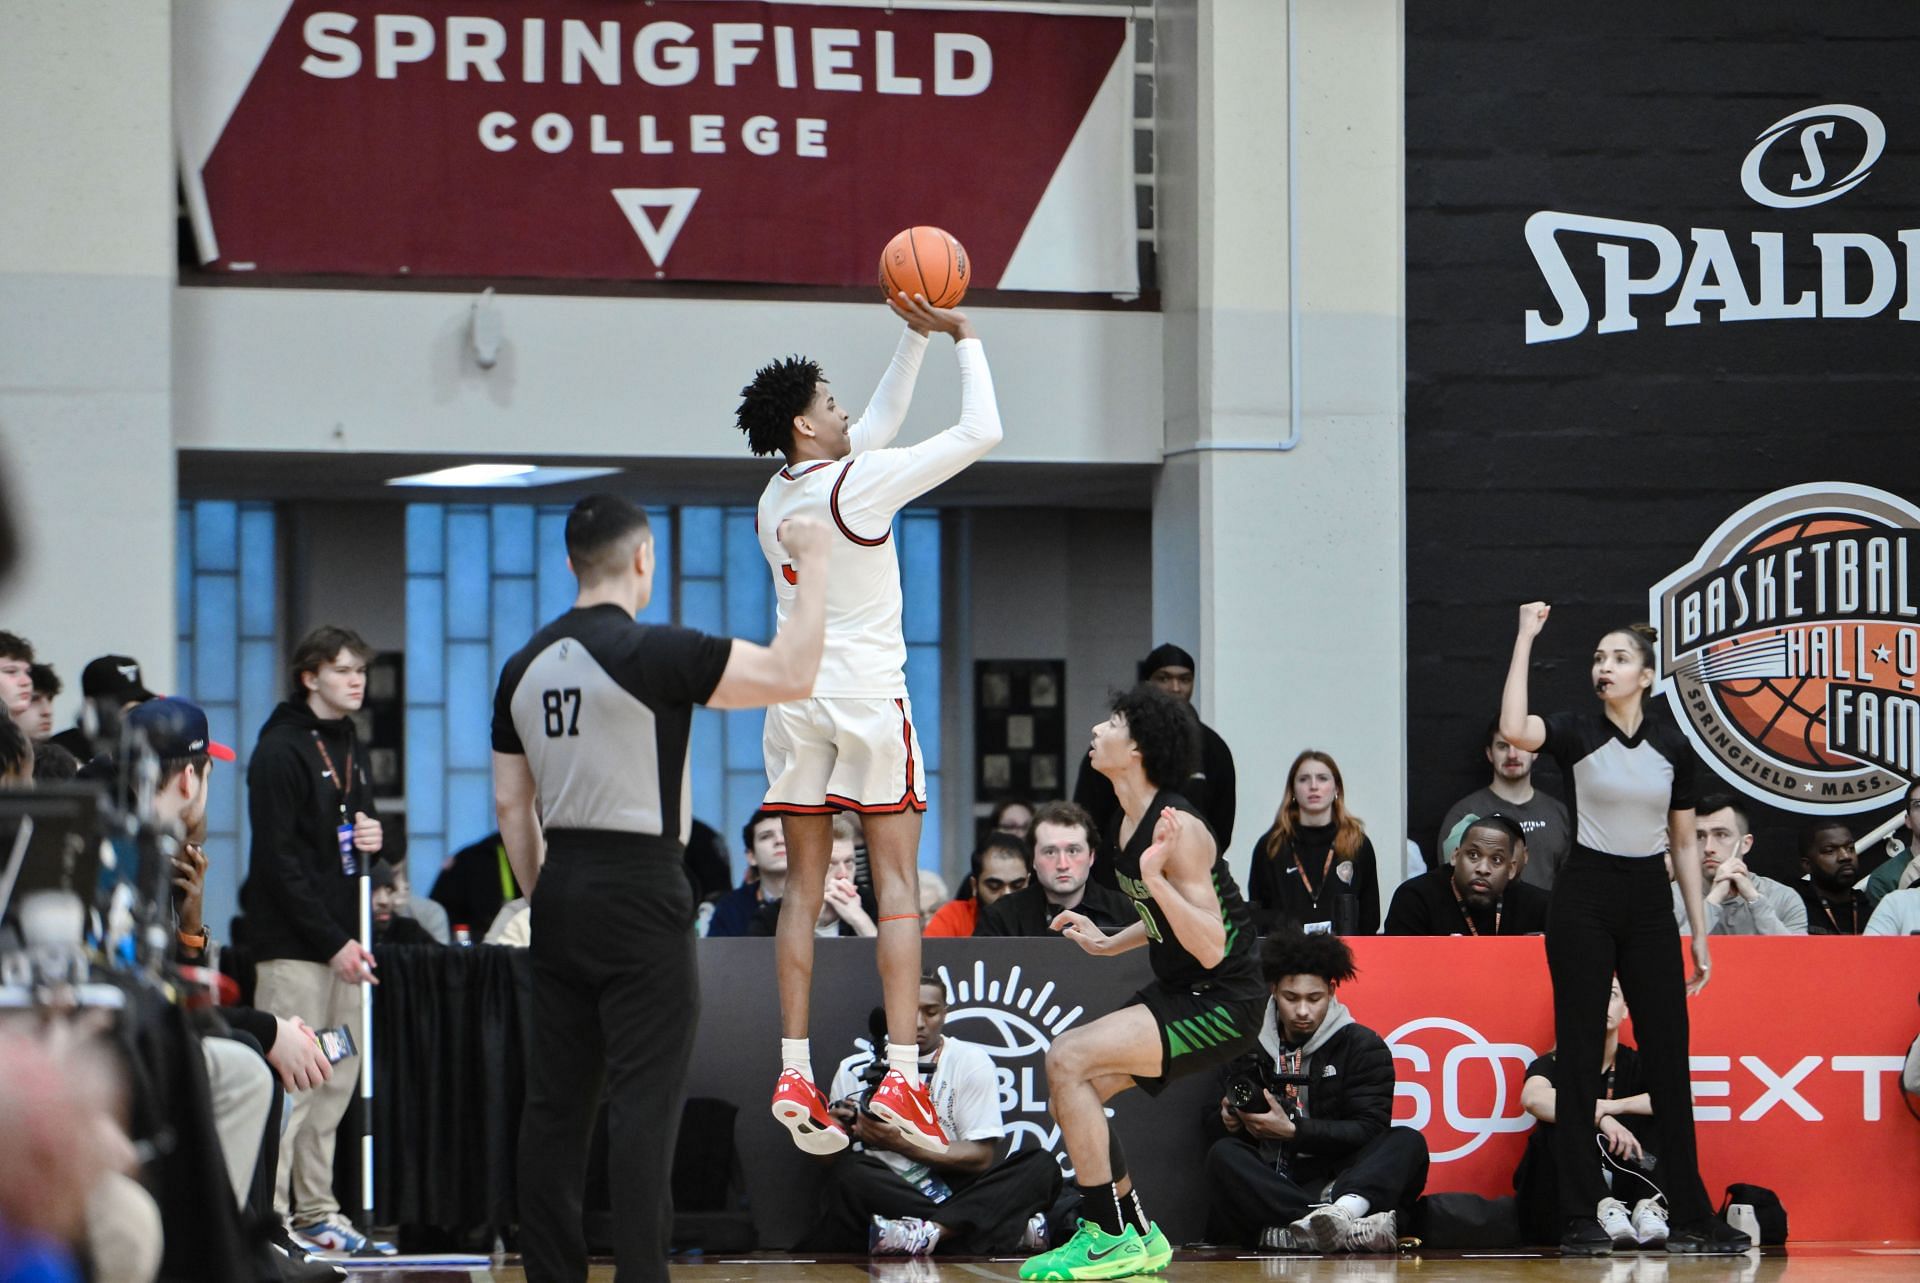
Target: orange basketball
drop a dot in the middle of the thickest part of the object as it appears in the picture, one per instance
(929, 261)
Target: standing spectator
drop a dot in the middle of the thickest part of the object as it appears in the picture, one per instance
(751, 908)
(1542, 820)
(109, 686)
(1478, 894)
(1062, 861)
(1739, 901)
(1212, 788)
(1315, 867)
(1001, 866)
(311, 808)
(46, 687)
(16, 677)
(1834, 907)
(1901, 868)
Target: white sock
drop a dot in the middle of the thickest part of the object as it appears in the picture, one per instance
(797, 1054)
(905, 1060)
(1353, 1205)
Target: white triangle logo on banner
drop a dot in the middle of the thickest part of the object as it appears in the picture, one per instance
(657, 238)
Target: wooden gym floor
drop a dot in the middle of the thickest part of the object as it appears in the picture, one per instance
(1808, 1263)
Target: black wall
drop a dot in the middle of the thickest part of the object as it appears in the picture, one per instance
(1582, 471)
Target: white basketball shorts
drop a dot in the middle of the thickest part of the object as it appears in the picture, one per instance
(827, 755)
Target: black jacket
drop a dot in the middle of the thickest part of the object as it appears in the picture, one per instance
(1279, 897)
(1426, 906)
(1349, 1103)
(1026, 912)
(299, 904)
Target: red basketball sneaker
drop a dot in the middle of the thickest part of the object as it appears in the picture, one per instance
(799, 1105)
(909, 1109)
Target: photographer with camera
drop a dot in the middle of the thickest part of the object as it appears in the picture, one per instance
(1307, 1118)
(899, 1198)
(1622, 1125)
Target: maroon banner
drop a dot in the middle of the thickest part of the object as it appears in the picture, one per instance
(714, 141)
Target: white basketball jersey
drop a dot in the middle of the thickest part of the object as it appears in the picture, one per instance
(858, 497)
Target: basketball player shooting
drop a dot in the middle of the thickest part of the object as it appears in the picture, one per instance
(852, 746)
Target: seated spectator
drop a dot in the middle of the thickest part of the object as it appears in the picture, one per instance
(752, 908)
(474, 882)
(428, 913)
(53, 764)
(1833, 906)
(894, 1198)
(38, 723)
(1479, 894)
(109, 686)
(1634, 1214)
(16, 678)
(1315, 867)
(846, 910)
(1739, 901)
(1305, 1118)
(1015, 816)
(1001, 866)
(1901, 868)
(1542, 819)
(1062, 862)
(16, 756)
(390, 926)
(1897, 915)
(933, 894)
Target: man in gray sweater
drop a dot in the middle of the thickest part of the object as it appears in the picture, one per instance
(1739, 901)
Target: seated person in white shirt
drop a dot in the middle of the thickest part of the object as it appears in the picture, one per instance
(1897, 915)
(1739, 901)
(894, 1197)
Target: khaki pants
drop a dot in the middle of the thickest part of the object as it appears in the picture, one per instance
(312, 992)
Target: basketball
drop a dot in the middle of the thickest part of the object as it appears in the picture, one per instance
(926, 260)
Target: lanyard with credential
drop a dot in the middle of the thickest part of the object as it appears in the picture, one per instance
(1466, 917)
(342, 782)
(1300, 867)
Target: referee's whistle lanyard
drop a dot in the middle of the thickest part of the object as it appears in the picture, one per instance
(1498, 906)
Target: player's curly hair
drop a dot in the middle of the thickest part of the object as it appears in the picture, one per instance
(1165, 730)
(780, 390)
(1292, 952)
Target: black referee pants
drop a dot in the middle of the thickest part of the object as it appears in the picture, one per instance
(1614, 915)
(615, 1001)
(1246, 1194)
(983, 1216)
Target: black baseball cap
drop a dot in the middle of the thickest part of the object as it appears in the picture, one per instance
(114, 677)
(176, 728)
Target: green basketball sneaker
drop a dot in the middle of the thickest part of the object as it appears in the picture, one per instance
(1159, 1250)
(1091, 1253)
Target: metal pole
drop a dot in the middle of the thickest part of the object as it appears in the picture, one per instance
(366, 1060)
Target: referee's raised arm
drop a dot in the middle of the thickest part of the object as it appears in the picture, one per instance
(773, 674)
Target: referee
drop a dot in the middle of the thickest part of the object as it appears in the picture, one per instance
(590, 729)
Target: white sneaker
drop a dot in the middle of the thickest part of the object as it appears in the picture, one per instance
(1035, 1240)
(1613, 1218)
(902, 1236)
(1650, 1223)
(1281, 1238)
(1376, 1232)
(1324, 1227)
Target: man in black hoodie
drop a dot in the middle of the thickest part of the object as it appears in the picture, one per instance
(314, 831)
(1305, 1119)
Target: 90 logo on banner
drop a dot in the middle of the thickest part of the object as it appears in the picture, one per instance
(1472, 1085)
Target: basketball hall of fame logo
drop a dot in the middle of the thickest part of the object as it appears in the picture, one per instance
(1790, 646)
(1015, 1020)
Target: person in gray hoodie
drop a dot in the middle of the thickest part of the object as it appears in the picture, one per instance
(1306, 1156)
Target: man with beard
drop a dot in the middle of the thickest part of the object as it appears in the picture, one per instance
(1542, 819)
(1834, 908)
(1478, 895)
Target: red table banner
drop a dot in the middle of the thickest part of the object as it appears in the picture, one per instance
(707, 140)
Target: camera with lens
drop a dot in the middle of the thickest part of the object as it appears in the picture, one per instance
(1254, 1077)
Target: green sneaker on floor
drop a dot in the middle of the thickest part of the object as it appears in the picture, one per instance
(1091, 1253)
(1159, 1250)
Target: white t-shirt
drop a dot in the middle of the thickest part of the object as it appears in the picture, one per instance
(966, 1097)
(866, 654)
(1897, 915)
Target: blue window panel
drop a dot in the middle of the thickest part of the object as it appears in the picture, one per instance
(701, 550)
(705, 756)
(469, 809)
(183, 572)
(469, 706)
(426, 639)
(660, 607)
(701, 605)
(749, 584)
(258, 601)
(215, 662)
(216, 536)
(467, 574)
(743, 739)
(425, 855)
(920, 576)
(426, 535)
(259, 691)
(426, 767)
(923, 688)
(930, 828)
(556, 584)
(513, 623)
(745, 791)
(513, 547)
